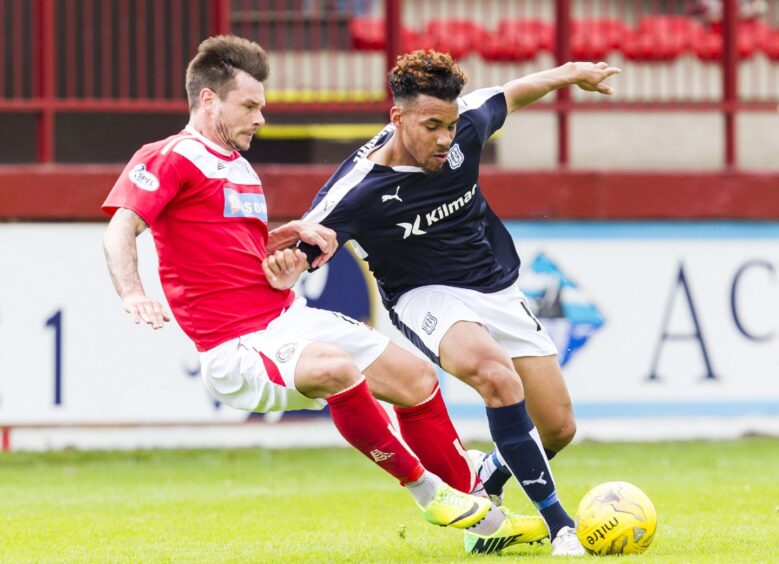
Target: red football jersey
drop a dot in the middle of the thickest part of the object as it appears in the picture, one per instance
(206, 210)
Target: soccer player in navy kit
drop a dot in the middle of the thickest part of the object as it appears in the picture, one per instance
(447, 268)
(227, 279)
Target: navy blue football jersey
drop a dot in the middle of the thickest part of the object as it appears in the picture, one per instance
(415, 228)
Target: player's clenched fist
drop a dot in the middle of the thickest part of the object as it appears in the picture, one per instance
(322, 237)
(283, 268)
(146, 309)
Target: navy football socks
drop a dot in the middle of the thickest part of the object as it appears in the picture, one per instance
(517, 439)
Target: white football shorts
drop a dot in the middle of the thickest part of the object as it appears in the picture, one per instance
(425, 314)
(256, 372)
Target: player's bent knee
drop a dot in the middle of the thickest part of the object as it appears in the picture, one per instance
(568, 431)
(337, 373)
(496, 383)
(327, 371)
(561, 435)
(427, 378)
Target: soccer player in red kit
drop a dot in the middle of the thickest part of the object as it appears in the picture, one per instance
(227, 280)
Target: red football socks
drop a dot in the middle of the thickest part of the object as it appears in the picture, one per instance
(365, 425)
(429, 432)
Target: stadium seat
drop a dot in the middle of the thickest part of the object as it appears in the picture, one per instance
(589, 47)
(456, 37)
(771, 46)
(749, 39)
(755, 32)
(370, 35)
(708, 47)
(498, 47)
(650, 47)
(682, 29)
(608, 30)
(661, 38)
(747, 42)
(367, 34)
(541, 32)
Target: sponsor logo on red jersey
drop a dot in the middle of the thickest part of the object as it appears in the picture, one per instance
(244, 204)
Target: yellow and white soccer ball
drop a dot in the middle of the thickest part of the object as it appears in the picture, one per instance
(616, 518)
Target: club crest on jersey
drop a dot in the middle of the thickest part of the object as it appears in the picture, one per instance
(455, 157)
(143, 179)
(429, 323)
(243, 204)
(286, 352)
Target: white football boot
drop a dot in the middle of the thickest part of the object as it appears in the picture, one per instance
(566, 543)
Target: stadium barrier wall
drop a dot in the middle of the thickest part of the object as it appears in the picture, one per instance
(667, 331)
(75, 192)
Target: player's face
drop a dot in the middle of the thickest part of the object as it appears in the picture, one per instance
(237, 116)
(427, 127)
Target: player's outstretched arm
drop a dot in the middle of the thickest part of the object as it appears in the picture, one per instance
(587, 76)
(312, 233)
(121, 253)
(283, 268)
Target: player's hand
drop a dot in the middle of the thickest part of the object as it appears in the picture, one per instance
(283, 268)
(146, 309)
(590, 77)
(322, 237)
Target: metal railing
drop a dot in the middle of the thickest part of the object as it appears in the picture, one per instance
(70, 56)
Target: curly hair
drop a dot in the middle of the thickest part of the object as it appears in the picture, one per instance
(216, 62)
(426, 72)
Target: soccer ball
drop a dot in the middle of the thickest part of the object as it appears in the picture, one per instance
(616, 518)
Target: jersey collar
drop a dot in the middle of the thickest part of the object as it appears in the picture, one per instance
(208, 143)
(402, 168)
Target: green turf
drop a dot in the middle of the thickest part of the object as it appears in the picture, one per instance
(717, 502)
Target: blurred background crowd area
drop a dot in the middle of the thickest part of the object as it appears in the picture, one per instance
(85, 81)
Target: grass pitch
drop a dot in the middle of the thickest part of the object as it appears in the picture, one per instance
(716, 501)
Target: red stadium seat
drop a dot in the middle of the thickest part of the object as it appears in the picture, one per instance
(747, 42)
(749, 39)
(370, 35)
(456, 37)
(541, 32)
(367, 34)
(771, 46)
(753, 36)
(589, 47)
(675, 25)
(497, 47)
(649, 47)
(410, 40)
(662, 38)
(708, 47)
(607, 30)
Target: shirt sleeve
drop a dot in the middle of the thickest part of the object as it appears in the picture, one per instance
(147, 184)
(486, 109)
(342, 217)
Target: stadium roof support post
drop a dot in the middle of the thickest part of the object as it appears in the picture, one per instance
(44, 23)
(729, 78)
(392, 19)
(562, 55)
(220, 17)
